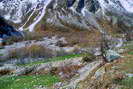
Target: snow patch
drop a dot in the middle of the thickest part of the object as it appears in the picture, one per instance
(1, 5)
(7, 17)
(32, 26)
(127, 4)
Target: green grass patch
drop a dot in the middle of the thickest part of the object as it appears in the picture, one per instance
(127, 83)
(130, 53)
(128, 45)
(1, 54)
(27, 82)
(127, 66)
(53, 59)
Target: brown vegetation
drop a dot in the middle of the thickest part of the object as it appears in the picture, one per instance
(30, 51)
(83, 38)
(66, 72)
(5, 72)
(89, 58)
(33, 36)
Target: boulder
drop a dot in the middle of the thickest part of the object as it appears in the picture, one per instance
(7, 69)
(112, 55)
(129, 75)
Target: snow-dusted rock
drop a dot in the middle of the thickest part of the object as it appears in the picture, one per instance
(112, 55)
(80, 14)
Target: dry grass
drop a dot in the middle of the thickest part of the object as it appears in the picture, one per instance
(5, 72)
(33, 36)
(64, 72)
(33, 51)
(82, 38)
(117, 30)
(67, 71)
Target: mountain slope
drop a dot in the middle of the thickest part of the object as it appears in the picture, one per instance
(66, 14)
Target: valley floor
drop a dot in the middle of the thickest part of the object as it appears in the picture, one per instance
(70, 72)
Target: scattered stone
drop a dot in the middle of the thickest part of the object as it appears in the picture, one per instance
(96, 51)
(58, 85)
(129, 75)
(25, 71)
(99, 72)
(85, 74)
(41, 87)
(67, 67)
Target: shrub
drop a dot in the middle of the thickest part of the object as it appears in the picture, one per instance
(5, 72)
(27, 36)
(17, 53)
(33, 35)
(88, 57)
(39, 51)
(33, 51)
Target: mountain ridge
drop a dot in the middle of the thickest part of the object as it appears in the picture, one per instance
(54, 12)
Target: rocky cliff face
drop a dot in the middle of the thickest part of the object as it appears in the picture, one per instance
(68, 14)
(7, 31)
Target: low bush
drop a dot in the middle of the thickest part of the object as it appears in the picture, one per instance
(27, 36)
(127, 83)
(33, 51)
(88, 57)
(4, 72)
(33, 35)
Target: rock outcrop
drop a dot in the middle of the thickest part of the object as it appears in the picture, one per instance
(7, 31)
